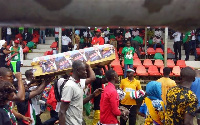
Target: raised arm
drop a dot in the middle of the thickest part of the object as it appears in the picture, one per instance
(41, 88)
(20, 96)
(94, 94)
(90, 74)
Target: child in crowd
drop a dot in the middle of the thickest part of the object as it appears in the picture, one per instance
(128, 53)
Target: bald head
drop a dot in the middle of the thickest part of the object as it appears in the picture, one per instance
(79, 69)
(188, 74)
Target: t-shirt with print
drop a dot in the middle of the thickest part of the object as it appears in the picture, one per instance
(128, 86)
(180, 100)
(128, 55)
(73, 94)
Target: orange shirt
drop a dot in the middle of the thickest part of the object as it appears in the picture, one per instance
(97, 41)
(166, 83)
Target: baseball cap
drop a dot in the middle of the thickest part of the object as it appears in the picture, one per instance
(16, 41)
(98, 30)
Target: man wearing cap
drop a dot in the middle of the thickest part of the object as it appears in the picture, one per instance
(128, 85)
(16, 55)
(98, 40)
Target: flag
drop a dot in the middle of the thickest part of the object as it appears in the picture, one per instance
(31, 114)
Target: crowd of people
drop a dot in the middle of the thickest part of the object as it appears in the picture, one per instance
(164, 101)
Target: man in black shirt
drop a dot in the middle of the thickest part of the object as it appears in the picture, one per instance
(98, 83)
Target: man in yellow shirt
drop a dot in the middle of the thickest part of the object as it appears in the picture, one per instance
(127, 85)
(166, 83)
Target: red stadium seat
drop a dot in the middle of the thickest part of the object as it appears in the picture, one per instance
(198, 51)
(170, 63)
(151, 51)
(159, 50)
(116, 62)
(135, 56)
(141, 71)
(54, 45)
(181, 63)
(159, 63)
(118, 70)
(153, 71)
(147, 63)
(176, 70)
(136, 63)
(141, 51)
(35, 40)
(169, 50)
(26, 49)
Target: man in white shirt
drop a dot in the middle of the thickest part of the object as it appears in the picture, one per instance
(127, 35)
(135, 32)
(8, 37)
(177, 44)
(87, 34)
(157, 41)
(65, 42)
(193, 43)
(71, 108)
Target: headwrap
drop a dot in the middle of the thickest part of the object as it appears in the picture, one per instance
(153, 90)
(2, 42)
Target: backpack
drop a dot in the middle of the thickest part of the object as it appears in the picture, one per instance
(57, 94)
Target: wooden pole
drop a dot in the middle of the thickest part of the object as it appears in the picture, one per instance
(145, 41)
(165, 48)
(60, 40)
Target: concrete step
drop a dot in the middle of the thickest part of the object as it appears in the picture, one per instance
(194, 64)
(49, 42)
(27, 63)
(40, 50)
(23, 69)
(50, 38)
(30, 56)
(43, 46)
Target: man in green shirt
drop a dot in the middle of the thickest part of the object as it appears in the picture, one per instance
(186, 40)
(128, 52)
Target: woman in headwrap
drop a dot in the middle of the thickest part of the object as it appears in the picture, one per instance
(153, 107)
(3, 53)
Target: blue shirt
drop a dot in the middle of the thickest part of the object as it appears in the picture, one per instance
(195, 87)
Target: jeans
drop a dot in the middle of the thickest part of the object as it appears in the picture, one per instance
(193, 47)
(177, 49)
(126, 67)
(64, 48)
(42, 36)
(132, 115)
(18, 66)
(8, 38)
(53, 119)
(187, 50)
(162, 47)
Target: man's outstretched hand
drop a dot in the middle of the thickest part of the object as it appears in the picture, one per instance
(97, 92)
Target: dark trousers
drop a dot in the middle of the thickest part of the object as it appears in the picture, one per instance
(177, 49)
(38, 120)
(135, 45)
(193, 47)
(64, 48)
(187, 50)
(53, 119)
(132, 115)
(8, 38)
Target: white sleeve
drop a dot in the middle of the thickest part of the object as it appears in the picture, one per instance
(9, 55)
(21, 55)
